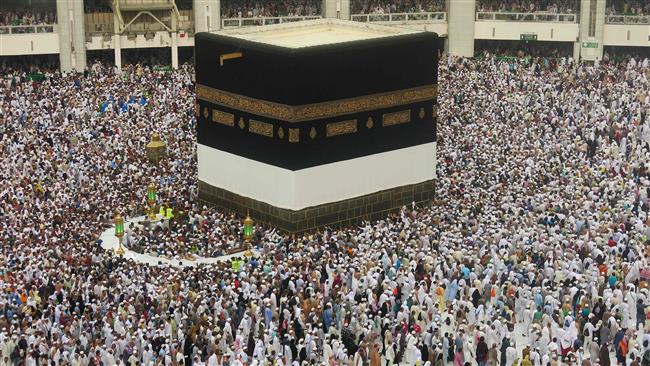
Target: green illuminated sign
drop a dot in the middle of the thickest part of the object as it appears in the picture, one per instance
(528, 37)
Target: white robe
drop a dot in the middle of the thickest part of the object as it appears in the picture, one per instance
(327, 352)
(390, 355)
(511, 355)
(412, 353)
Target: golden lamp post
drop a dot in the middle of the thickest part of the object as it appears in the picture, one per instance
(119, 232)
(151, 200)
(248, 235)
(156, 149)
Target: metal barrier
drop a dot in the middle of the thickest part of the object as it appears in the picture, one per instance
(26, 29)
(526, 17)
(435, 17)
(250, 22)
(99, 23)
(145, 4)
(627, 19)
(186, 20)
(102, 23)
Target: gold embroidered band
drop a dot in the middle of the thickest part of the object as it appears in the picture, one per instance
(307, 112)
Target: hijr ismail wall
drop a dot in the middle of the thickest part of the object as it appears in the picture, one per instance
(303, 137)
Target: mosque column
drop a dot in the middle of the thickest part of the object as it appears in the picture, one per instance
(576, 50)
(117, 44)
(72, 39)
(339, 9)
(592, 22)
(207, 15)
(461, 16)
(174, 37)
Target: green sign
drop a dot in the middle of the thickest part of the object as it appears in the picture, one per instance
(163, 68)
(589, 44)
(36, 77)
(528, 37)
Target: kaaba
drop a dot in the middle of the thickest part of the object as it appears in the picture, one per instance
(316, 123)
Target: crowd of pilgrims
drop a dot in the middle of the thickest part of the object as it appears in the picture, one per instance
(204, 233)
(258, 8)
(534, 252)
(396, 6)
(16, 17)
(530, 6)
(628, 7)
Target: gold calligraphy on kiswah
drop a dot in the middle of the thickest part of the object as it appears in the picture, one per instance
(307, 112)
(224, 118)
(341, 128)
(260, 128)
(294, 135)
(396, 118)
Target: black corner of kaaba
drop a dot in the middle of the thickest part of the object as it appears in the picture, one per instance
(297, 108)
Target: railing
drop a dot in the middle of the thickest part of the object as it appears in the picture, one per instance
(437, 17)
(527, 17)
(249, 22)
(186, 21)
(145, 4)
(99, 23)
(102, 23)
(25, 29)
(627, 19)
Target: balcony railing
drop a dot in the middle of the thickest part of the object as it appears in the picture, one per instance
(136, 5)
(102, 23)
(435, 17)
(26, 29)
(99, 23)
(250, 22)
(627, 19)
(526, 17)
